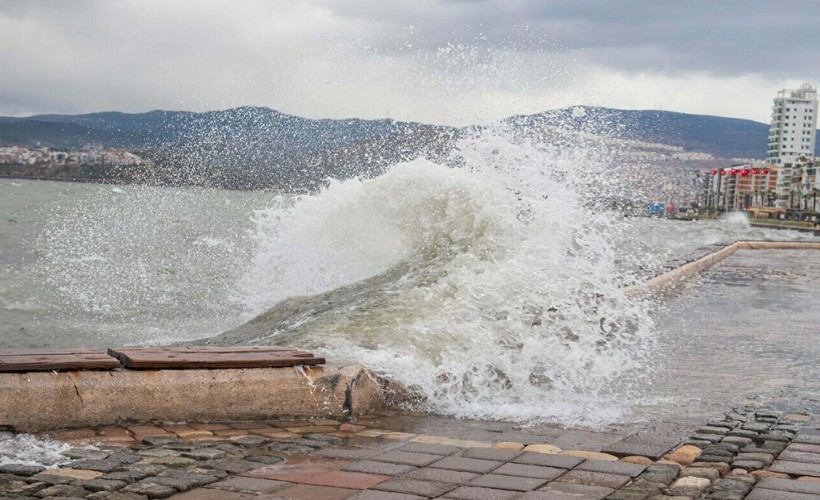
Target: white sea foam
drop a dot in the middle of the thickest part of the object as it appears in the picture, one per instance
(493, 288)
(26, 449)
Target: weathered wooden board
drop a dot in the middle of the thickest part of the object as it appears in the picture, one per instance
(32, 360)
(212, 357)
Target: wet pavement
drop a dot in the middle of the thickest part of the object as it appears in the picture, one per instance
(743, 331)
(748, 453)
(741, 336)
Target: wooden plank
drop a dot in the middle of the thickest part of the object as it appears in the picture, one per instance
(208, 349)
(54, 359)
(213, 357)
(40, 352)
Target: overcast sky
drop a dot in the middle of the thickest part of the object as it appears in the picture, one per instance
(435, 61)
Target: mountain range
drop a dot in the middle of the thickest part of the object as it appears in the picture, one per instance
(268, 148)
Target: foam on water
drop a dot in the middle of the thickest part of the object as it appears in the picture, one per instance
(25, 449)
(490, 288)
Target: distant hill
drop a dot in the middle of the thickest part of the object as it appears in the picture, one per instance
(719, 136)
(260, 147)
(155, 129)
(264, 127)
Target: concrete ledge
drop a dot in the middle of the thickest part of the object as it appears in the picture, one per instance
(39, 401)
(673, 277)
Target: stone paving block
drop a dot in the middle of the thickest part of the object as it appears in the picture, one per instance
(802, 447)
(204, 454)
(150, 490)
(467, 443)
(65, 491)
(622, 468)
(545, 460)
(796, 417)
(533, 471)
(737, 440)
(585, 440)
(804, 438)
(251, 484)
(743, 433)
(407, 458)
(348, 453)
(623, 449)
(207, 494)
(23, 470)
(524, 438)
(594, 478)
(755, 426)
(704, 472)
(100, 484)
(498, 454)
(211, 427)
(430, 448)
(772, 483)
(441, 475)
(503, 482)
(585, 491)
(374, 467)
(749, 465)
(427, 489)
(476, 493)
(590, 455)
(399, 436)
(765, 494)
(509, 445)
(296, 473)
(384, 495)
(727, 459)
(51, 479)
(344, 479)
(796, 468)
(466, 464)
(313, 492)
(264, 459)
(707, 429)
(800, 456)
(542, 448)
(232, 465)
(712, 438)
(425, 438)
(688, 483)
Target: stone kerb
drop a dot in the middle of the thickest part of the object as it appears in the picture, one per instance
(675, 276)
(37, 401)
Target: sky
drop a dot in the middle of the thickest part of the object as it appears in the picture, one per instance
(452, 62)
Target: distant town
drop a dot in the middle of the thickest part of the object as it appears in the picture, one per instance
(783, 187)
(89, 163)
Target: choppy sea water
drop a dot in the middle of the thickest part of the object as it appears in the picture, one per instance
(494, 290)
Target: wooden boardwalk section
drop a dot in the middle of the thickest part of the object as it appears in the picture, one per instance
(213, 357)
(34, 360)
(154, 358)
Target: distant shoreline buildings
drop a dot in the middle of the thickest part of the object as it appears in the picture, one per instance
(788, 180)
(88, 155)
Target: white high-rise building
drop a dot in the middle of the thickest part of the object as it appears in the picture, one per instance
(794, 124)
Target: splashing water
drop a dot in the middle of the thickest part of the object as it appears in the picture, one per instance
(25, 449)
(490, 288)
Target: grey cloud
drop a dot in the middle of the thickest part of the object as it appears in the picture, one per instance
(375, 58)
(727, 37)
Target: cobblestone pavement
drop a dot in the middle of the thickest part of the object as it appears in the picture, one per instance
(750, 453)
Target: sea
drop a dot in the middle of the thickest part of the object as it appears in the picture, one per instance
(493, 286)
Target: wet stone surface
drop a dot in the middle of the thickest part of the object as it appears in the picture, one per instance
(403, 457)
